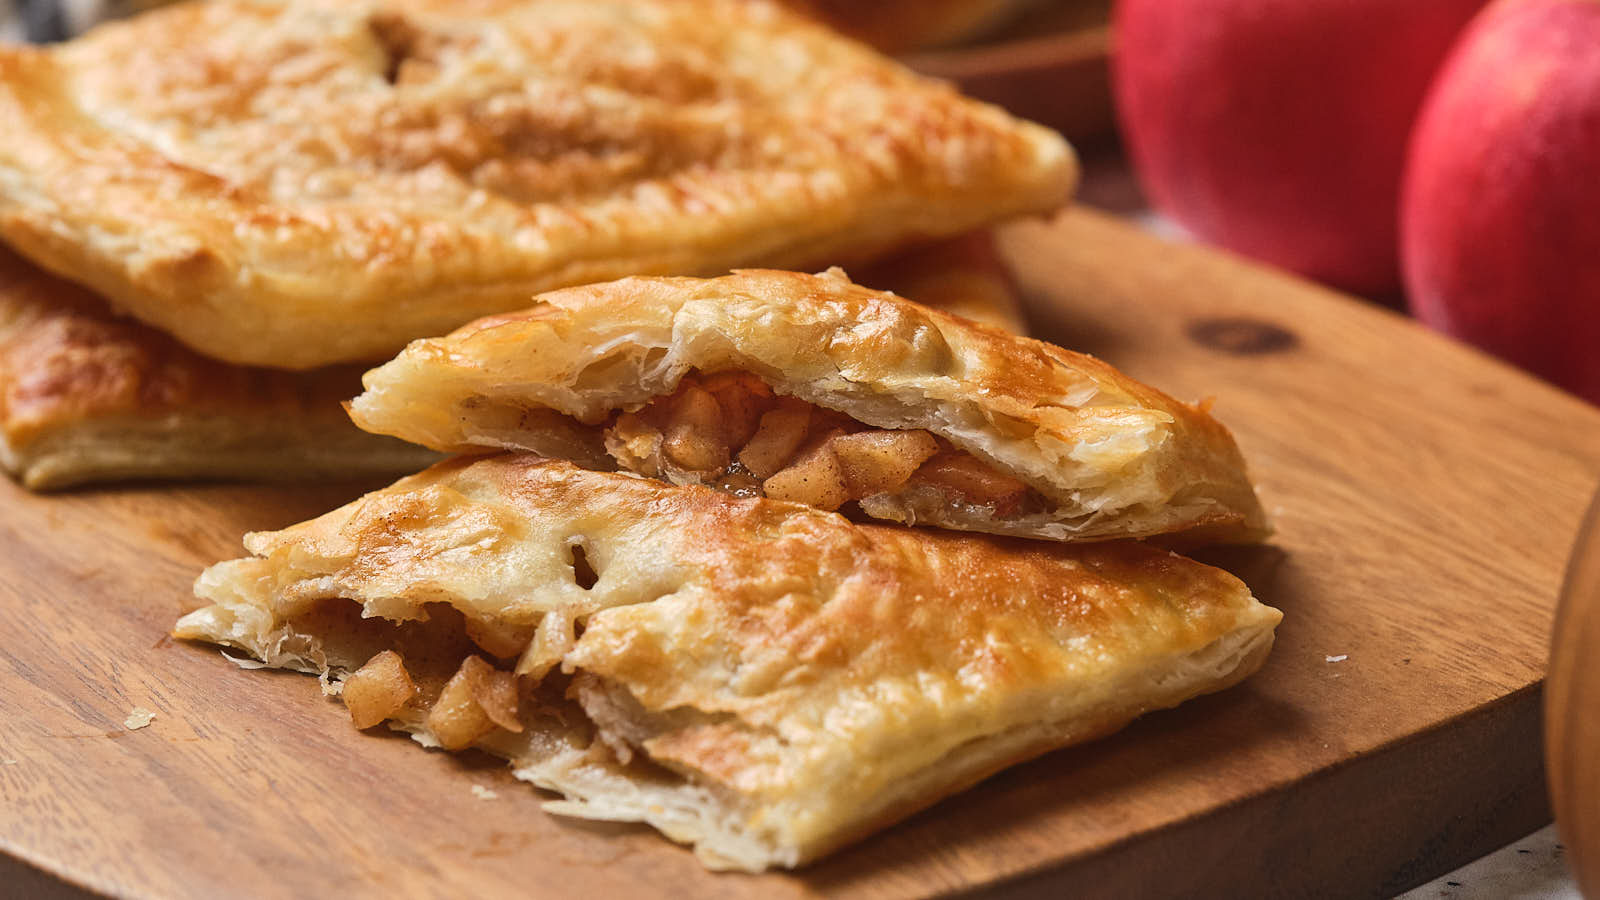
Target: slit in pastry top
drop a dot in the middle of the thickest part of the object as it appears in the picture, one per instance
(814, 389)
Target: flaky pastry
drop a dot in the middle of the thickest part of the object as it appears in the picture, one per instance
(814, 389)
(302, 183)
(760, 679)
(86, 396)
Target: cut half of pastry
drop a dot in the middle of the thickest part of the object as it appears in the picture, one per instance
(812, 389)
(763, 680)
(89, 397)
(296, 184)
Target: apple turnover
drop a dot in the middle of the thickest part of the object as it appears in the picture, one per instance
(295, 184)
(813, 389)
(86, 396)
(760, 679)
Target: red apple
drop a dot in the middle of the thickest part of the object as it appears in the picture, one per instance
(1501, 210)
(1277, 128)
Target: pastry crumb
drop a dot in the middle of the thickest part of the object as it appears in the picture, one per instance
(1340, 658)
(331, 686)
(483, 793)
(138, 717)
(243, 662)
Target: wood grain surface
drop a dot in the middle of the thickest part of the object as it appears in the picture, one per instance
(1425, 498)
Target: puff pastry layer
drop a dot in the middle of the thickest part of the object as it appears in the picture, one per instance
(759, 679)
(86, 397)
(1105, 455)
(299, 184)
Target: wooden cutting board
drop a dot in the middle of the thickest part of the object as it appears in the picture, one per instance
(1425, 498)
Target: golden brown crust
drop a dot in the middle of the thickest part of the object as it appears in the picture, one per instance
(795, 679)
(1113, 457)
(301, 184)
(86, 396)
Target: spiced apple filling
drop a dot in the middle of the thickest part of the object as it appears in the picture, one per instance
(445, 678)
(460, 679)
(477, 699)
(731, 431)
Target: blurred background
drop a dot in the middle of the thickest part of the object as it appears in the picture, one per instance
(1440, 157)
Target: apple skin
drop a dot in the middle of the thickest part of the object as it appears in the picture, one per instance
(1500, 216)
(1278, 128)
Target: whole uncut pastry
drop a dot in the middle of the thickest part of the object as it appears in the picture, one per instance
(760, 679)
(295, 184)
(813, 389)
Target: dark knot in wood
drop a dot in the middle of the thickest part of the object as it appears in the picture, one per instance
(1241, 336)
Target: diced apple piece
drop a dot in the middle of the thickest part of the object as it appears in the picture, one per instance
(815, 479)
(496, 693)
(635, 444)
(974, 481)
(743, 398)
(694, 436)
(378, 690)
(878, 461)
(475, 700)
(456, 719)
(554, 639)
(499, 639)
(777, 438)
